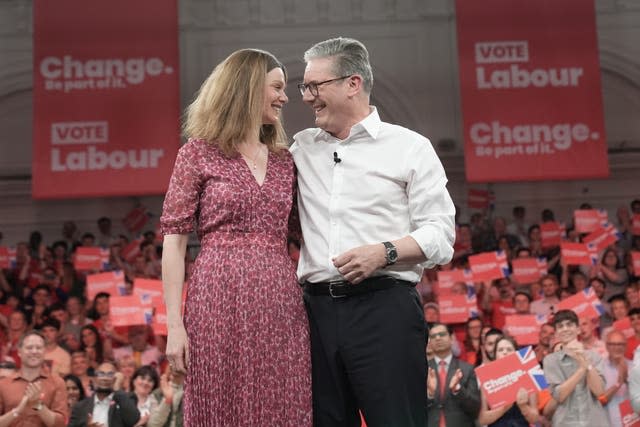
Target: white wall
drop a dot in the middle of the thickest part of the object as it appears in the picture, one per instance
(413, 51)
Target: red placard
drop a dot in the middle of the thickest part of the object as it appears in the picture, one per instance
(148, 289)
(543, 54)
(551, 234)
(89, 258)
(623, 325)
(489, 265)
(5, 258)
(589, 220)
(447, 278)
(585, 304)
(159, 324)
(602, 237)
(111, 282)
(525, 328)
(479, 199)
(501, 379)
(578, 254)
(136, 219)
(105, 97)
(528, 270)
(627, 415)
(457, 308)
(635, 225)
(132, 250)
(635, 259)
(129, 311)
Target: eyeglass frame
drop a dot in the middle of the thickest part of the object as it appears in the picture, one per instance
(103, 374)
(302, 87)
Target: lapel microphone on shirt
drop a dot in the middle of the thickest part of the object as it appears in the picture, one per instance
(336, 159)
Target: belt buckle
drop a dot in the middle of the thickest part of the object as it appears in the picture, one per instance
(335, 282)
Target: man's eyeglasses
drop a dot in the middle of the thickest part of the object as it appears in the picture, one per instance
(103, 374)
(438, 334)
(313, 87)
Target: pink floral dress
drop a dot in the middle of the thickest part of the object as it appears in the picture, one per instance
(245, 320)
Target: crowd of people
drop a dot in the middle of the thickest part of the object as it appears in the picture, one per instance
(61, 359)
(591, 363)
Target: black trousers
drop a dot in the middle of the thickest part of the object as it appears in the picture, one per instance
(368, 353)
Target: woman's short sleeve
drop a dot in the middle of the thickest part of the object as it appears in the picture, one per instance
(183, 196)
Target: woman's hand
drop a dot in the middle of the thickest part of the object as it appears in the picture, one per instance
(177, 349)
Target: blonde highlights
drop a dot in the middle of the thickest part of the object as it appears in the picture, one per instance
(228, 107)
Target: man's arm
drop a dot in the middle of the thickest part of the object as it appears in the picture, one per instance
(468, 396)
(129, 413)
(560, 387)
(634, 388)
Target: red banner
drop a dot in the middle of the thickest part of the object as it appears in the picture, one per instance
(448, 278)
(129, 311)
(489, 265)
(457, 308)
(105, 97)
(635, 225)
(501, 379)
(7, 257)
(635, 259)
(627, 415)
(525, 328)
(479, 199)
(551, 234)
(148, 289)
(602, 237)
(578, 253)
(623, 325)
(136, 219)
(589, 220)
(111, 282)
(90, 258)
(585, 304)
(528, 270)
(530, 87)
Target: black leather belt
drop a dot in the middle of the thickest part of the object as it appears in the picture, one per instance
(342, 288)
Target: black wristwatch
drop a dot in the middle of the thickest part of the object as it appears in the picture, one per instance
(392, 253)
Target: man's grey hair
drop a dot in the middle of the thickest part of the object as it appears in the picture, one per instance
(351, 57)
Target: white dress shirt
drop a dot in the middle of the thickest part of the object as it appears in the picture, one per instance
(101, 410)
(388, 184)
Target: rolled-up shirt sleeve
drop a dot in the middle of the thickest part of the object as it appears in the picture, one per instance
(431, 209)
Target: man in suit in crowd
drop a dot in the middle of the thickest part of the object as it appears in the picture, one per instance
(106, 408)
(453, 397)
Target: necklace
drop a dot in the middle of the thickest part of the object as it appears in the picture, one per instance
(253, 161)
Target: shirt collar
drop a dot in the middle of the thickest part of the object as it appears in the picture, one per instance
(370, 125)
(107, 400)
(18, 375)
(447, 360)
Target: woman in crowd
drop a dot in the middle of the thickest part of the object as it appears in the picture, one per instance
(143, 382)
(523, 412)
(612, 272)
(471, 343)
(75, 390)
(245, 334)
(169, 411)
(92, 344)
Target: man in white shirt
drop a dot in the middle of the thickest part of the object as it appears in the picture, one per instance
(547, 304)
(374, 211)
(106, 407)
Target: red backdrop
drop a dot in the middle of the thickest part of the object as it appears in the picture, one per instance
(106, 97)
(530, 87)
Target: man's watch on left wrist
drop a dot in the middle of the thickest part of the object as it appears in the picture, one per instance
(391, 255)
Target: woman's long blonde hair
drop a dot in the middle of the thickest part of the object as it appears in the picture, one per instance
(229, 104)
